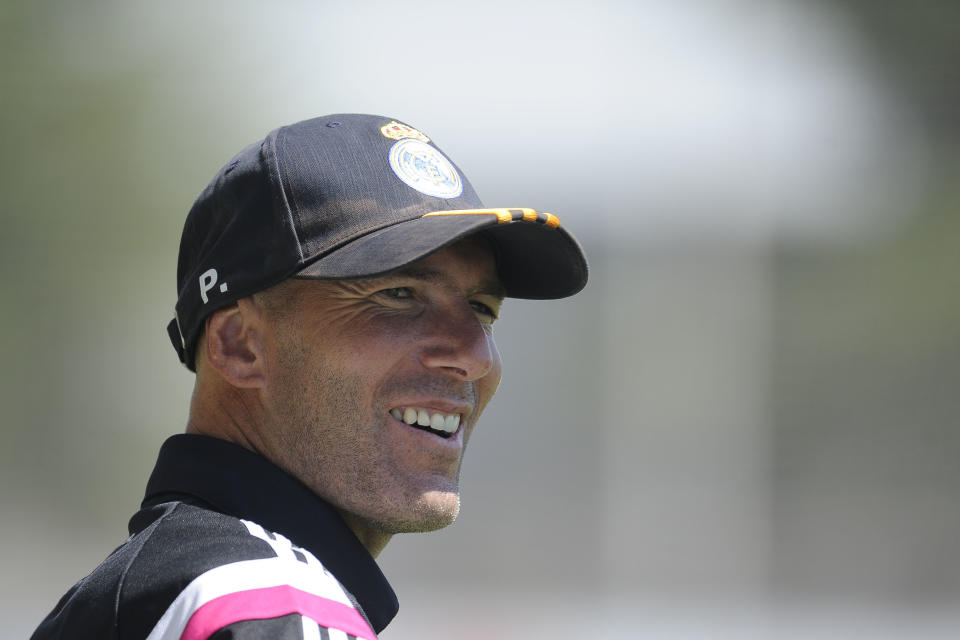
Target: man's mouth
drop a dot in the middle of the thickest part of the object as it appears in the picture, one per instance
(442, 424)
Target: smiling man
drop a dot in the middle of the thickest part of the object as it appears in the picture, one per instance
(338, 284)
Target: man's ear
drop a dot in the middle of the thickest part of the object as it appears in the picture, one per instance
(234, 344)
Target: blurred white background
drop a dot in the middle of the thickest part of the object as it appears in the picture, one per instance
(745, 427)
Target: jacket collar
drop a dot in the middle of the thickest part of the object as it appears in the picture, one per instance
(232, 480)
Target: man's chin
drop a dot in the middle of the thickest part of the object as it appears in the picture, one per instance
(434, 510)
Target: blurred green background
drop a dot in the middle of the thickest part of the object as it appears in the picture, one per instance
(747, 424)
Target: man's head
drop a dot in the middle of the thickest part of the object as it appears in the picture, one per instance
(338, 285)
(349, 196)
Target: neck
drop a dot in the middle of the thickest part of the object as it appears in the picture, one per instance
(228, 413)
(372, 539)
(224, 412)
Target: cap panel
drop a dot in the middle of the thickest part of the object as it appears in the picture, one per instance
(237, 239)
(337, 177)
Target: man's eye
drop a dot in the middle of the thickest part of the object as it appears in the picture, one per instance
(397, 293)
(483, 309)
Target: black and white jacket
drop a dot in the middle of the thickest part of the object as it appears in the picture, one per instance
(227, 545)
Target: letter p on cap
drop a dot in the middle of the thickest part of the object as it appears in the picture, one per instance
(207, 279)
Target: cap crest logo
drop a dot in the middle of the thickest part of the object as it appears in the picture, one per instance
(397, 131)
(421, 167)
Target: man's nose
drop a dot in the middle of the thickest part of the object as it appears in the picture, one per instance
(459, 343)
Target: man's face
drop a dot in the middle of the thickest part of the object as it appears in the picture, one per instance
(351, 362)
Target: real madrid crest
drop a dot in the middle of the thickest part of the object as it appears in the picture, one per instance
(419, 165)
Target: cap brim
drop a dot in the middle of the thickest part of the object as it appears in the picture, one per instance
(536, 258)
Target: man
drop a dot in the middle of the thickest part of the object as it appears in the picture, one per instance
(338, 283)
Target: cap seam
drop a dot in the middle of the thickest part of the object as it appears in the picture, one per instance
(282, 179)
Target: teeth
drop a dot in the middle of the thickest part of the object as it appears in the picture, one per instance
(448, 423)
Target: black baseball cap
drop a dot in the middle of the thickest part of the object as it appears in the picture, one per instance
(349, 196)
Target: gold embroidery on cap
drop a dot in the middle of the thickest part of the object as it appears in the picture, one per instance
(397, 131)
(503, 215)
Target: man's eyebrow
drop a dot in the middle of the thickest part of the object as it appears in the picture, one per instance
(489, 286)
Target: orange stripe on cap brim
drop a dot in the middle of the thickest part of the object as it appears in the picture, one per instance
(503, 215)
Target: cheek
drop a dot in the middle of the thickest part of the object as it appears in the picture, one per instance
(488, 385)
